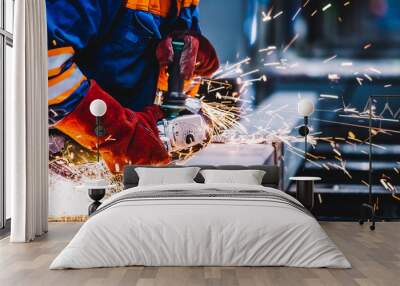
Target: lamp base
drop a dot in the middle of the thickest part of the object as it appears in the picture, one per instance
(96, 195)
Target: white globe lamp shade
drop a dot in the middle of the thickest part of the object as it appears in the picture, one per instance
(98, 107)
(305, 107)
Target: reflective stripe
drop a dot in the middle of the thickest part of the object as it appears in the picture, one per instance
(59, 51)
(57, 58)
(156, 7)
(56, 63)
(64, 85)
(187, 3)
(159, 7)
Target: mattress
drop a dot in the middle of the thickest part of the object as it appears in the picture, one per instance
(201, 225)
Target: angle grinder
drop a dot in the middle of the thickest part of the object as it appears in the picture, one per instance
(175, 98)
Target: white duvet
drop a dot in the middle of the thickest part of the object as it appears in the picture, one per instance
(200, 231)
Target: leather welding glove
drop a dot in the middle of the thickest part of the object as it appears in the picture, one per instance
(198, 59)
(131, 137)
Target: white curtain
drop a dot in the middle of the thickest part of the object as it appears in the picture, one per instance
(27, 124)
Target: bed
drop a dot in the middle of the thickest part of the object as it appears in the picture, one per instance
(198, 224)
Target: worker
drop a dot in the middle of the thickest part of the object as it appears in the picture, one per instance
(113, 50)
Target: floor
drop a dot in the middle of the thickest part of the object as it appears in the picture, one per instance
(375, 257)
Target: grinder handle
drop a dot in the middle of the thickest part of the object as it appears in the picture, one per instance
(175, 78)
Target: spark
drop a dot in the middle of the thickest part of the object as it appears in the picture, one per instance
(261, 78)
(267, 17)
(277, 15)
(313, 13)
(216, 89)
(384, 184)
(368, 77)
(359, 80)
(267, 49)
(216, 82)
(291, 42)
(365, 183)
(333, 76)
(332, 96)
(326, 7)
(329, 59)
(387, 85)
(367, 46)
(229, 69)
(272, 64)
(374, 70)
(249, 73)
(110, 138)
(346, 3)
(305, 4)
(222, 116)
(346, 64)
(347, 109)
(295, 15)
(337, 152)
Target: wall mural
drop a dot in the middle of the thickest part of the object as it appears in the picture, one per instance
(111, 101)
(159, 94)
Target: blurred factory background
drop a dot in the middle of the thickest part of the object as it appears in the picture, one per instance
(338, 53)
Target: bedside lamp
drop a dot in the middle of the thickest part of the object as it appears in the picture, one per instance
(305, 108)
(98, 108)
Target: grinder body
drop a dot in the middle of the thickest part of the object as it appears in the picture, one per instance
(175, 99)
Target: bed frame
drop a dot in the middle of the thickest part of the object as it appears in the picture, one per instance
(271, 177)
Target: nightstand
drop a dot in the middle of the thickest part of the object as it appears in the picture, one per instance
(305, 190)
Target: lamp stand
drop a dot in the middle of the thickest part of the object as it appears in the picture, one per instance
(303, 131)
(367, 210)
(100, 132)
(97, 138)
(305, 139)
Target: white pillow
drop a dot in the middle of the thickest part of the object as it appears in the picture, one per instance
(248, 177)
(166, 176)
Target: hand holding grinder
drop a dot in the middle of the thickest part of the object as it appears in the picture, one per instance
(182, 56)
